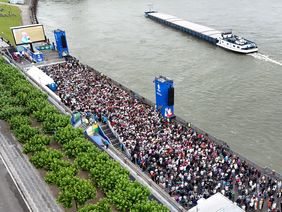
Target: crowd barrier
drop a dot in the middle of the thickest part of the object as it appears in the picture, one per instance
(103, 135)
(120, 141)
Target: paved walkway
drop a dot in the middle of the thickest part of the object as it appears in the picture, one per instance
(34, 190)
(3, 44)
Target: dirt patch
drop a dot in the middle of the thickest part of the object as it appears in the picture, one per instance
(5, 128)
(83, 174)
(42, 172)
(35, 123)
(54, 190)
(99, 196)
(55, 145)
(113, 208)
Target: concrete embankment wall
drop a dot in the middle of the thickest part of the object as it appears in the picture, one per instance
(33, 10)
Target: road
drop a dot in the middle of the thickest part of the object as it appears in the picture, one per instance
(10, 200)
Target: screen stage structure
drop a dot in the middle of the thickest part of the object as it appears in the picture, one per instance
(28, 34)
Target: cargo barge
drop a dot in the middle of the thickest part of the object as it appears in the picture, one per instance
(226, 40)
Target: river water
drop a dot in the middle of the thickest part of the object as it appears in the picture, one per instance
(236, 98)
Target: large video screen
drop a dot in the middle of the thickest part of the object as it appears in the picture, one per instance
(28, 34)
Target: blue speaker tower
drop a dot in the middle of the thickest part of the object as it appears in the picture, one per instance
(164, 96)
(61, 42)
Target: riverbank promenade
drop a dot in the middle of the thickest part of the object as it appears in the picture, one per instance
(187, 164)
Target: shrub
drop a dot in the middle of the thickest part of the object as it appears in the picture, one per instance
(17, 121)
(36, 144)
(41, 115)
(45, 158)
(76, 146)
(37, 104)
(56, 176)
(126, 194)
(53, 122)
(8, 111)
(148, 205)
(77, 190)
(103, 166)
(101, 206)
(68, 133)
(25, 132)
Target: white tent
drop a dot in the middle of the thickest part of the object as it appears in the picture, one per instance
(216, 203)
(39, 76)
(42, 80)
(17, 1)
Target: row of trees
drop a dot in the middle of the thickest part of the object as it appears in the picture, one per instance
(19, 104)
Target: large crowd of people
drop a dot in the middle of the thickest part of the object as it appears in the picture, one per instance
(188, 165)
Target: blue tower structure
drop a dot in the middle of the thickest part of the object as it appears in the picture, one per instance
(164, 96)
(61, 43)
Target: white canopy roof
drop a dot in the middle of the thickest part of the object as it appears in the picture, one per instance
(17, 1)
(216, 203)
(39, 76)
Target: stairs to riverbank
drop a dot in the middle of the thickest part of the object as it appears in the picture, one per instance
(114, 141)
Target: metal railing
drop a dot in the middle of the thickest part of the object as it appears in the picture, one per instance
(119, 139)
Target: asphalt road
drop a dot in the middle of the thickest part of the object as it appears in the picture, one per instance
(10, 200)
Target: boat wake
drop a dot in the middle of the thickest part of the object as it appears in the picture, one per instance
(265, 58)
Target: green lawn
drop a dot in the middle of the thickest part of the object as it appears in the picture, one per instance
(9, 16)
(4, 1)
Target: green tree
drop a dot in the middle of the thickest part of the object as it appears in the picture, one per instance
(37, 104)
(36, 143)
(17, 121)
(76, 146)
(68, 133)
(45, 158)
(126, 194)
(149, 205)
(53, 122)
(86, 160)
(56, 176)
(58, 164)
(101, 206)
(114, 172)
(8, 111)
(73, 188)
(6, 98)
(25, 132)
(24, 92)
(41, 114)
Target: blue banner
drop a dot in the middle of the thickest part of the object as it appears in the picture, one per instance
(162, 86)
(61, 43)
(34, 56)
